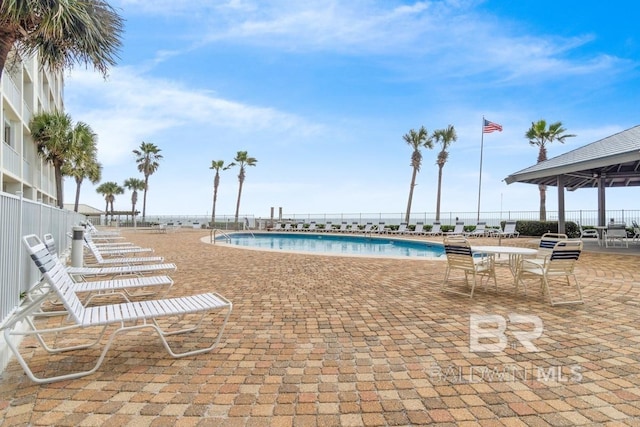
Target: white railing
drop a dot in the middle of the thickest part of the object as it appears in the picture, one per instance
(493, 219)
(10, 160)
(11, 91)
(17, 273)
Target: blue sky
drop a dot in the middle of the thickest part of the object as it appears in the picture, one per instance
(321, 93)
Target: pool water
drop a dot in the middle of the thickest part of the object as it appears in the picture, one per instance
(335, 244)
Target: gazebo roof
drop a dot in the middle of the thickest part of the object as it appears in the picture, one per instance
(615, 158)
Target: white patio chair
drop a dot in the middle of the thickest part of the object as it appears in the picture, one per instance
(460, 257)
(402, 229)
(479, 231)
(458, 230)
(509, 230)
(558, 264)
(436, 229)
(616, 232)
(100, 260)
(589, 233)
(187, 315)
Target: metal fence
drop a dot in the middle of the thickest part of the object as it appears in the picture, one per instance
(493, 219)
(18, 274)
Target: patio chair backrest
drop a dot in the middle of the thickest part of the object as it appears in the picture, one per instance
(458, 251)
(509, 227)
(56, 275)
(459, 228)
(548, 243)
(50, 243)
(564, 256)
(435, 228)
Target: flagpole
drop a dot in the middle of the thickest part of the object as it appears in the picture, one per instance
(480, 177)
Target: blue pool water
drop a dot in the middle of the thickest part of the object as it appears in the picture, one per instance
(336, 244)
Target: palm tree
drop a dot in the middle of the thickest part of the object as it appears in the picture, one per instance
(539, 135)
(52, 134)
(416, 140)
(134, 185)
(217, 165)
(61, 32)
(242, 159)
(148, 157)
(444, 137)
(83, 161)
(109, 190)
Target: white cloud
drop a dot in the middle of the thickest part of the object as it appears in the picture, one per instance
(130, 108)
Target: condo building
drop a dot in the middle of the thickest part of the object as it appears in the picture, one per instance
(27, 88)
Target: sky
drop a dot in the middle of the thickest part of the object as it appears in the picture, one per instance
(322, 92)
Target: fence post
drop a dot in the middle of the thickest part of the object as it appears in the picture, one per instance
(76, 247)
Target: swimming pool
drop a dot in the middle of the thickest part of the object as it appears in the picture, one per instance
(335, 244)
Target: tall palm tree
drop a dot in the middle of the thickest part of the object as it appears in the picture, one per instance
(444, 137)
(416, 140)
(243, 160)
(147, 157)
(83, 162)
(134, 185)
(109, 190)
(52, 134)
(217, 165)
(62, 32)
(539, 135)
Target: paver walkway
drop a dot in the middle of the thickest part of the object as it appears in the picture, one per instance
(343, 341)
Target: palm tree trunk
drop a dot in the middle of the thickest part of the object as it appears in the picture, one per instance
(413, 184)
(238, 203)
(144, 198)
(438, 194)
(213, 210)
(216, 182)
(7, 39)
(543, 202)
(59, 189)
(77, 202)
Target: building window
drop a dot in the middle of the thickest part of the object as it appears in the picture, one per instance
(6, 136)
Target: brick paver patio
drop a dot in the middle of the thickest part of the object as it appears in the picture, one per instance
(345, 341)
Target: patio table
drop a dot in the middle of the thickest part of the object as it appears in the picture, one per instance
(514, 253)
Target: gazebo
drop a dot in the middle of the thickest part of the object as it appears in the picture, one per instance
(613, 161)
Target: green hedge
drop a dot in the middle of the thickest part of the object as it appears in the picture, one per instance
(538, 228)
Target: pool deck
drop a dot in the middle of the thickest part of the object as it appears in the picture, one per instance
(319, 340)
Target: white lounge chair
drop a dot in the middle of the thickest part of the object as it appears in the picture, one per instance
(436, 229)
(558, 263)
(312, 226)
(127, 288)
(418, 229)
(114, 250)
(509, 230)
(636, 232)
(402, 229)
(126, 316)
(368, 228)
(276, 227)
(328, 227)
(381, 228)
(355, 227)
(589, 233)
(460, 257)
(344, 227)
(287, 227)
(458, 230)
(479, 231)
(102, 261)
(616, 232)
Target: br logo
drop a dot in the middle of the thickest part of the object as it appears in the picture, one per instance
(487, 332)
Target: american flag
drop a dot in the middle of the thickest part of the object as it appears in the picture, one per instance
(490, 127)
